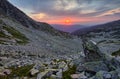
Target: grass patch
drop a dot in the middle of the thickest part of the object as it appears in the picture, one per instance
(2, 42)
(17, 34)
(2, 35)
(21, 72)
(3, 77)
(66, 74)
(116, 53)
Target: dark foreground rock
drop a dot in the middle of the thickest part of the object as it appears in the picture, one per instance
(98, 65)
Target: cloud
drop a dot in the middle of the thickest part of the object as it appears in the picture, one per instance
(110, 12)
(38, 16)
(48, 10)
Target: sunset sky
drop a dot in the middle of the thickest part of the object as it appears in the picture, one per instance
(70, 11)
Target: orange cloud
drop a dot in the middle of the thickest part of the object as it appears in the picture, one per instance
(38, 16)
(110, 12)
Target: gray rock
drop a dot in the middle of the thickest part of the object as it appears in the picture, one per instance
(34, 71)
(59, 74)
(102, 75)
(39, 76)
(95, 66)
(115, 74)
(112, 64)
(92, 52)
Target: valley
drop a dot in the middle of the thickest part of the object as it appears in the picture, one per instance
(35, 50)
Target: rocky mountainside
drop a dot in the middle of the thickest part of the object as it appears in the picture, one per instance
(107, 36)
(32, 50)
(21, 33)
(25, 44)
(8, 9)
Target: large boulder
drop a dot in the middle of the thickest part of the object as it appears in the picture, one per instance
(112, 64)
(91, 51)
(59, 74)
(93, 67)
(115, 74)
(103, 75)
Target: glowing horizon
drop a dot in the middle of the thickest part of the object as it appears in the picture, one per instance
(77, 11)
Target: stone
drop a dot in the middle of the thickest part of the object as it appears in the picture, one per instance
(41, 75)
(7, 71)
(91, 51)
(62, 64)
(107, 75)
(95, 66)
(65, 68)
(79, 76)
(59, 73)
(115, 74)
(34, 71)
(103, 75)
(112, 64)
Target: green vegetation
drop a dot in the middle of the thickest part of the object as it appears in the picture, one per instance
(66, 74)
(2, 34)
(20, 38)
(17, 34)
(19, 72)
(3, 77)
(2, 42)
(116, 53)
(22, 71)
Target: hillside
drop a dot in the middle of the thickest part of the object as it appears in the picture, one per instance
(107, 36)
(11, 11)
(35, 50)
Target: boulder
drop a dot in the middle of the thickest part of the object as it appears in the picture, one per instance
(95, 66)
(115, 74)
(65, 68)
(62, 64)
(41, 75)
(59, 74)
(79, 76)
(112, 64)
(103, 75)
(91, 51)
(33, 71)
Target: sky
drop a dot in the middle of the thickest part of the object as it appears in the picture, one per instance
(83, 12)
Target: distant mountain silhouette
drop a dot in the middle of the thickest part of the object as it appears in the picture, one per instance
(110, 26)
(68, 28)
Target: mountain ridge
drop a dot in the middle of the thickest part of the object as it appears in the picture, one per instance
(7, 9)
(97, 28)
(68, 28)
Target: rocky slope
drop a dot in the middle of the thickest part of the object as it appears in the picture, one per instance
(32, 50)
(31, 43)
(107, 36)
(9, 10)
